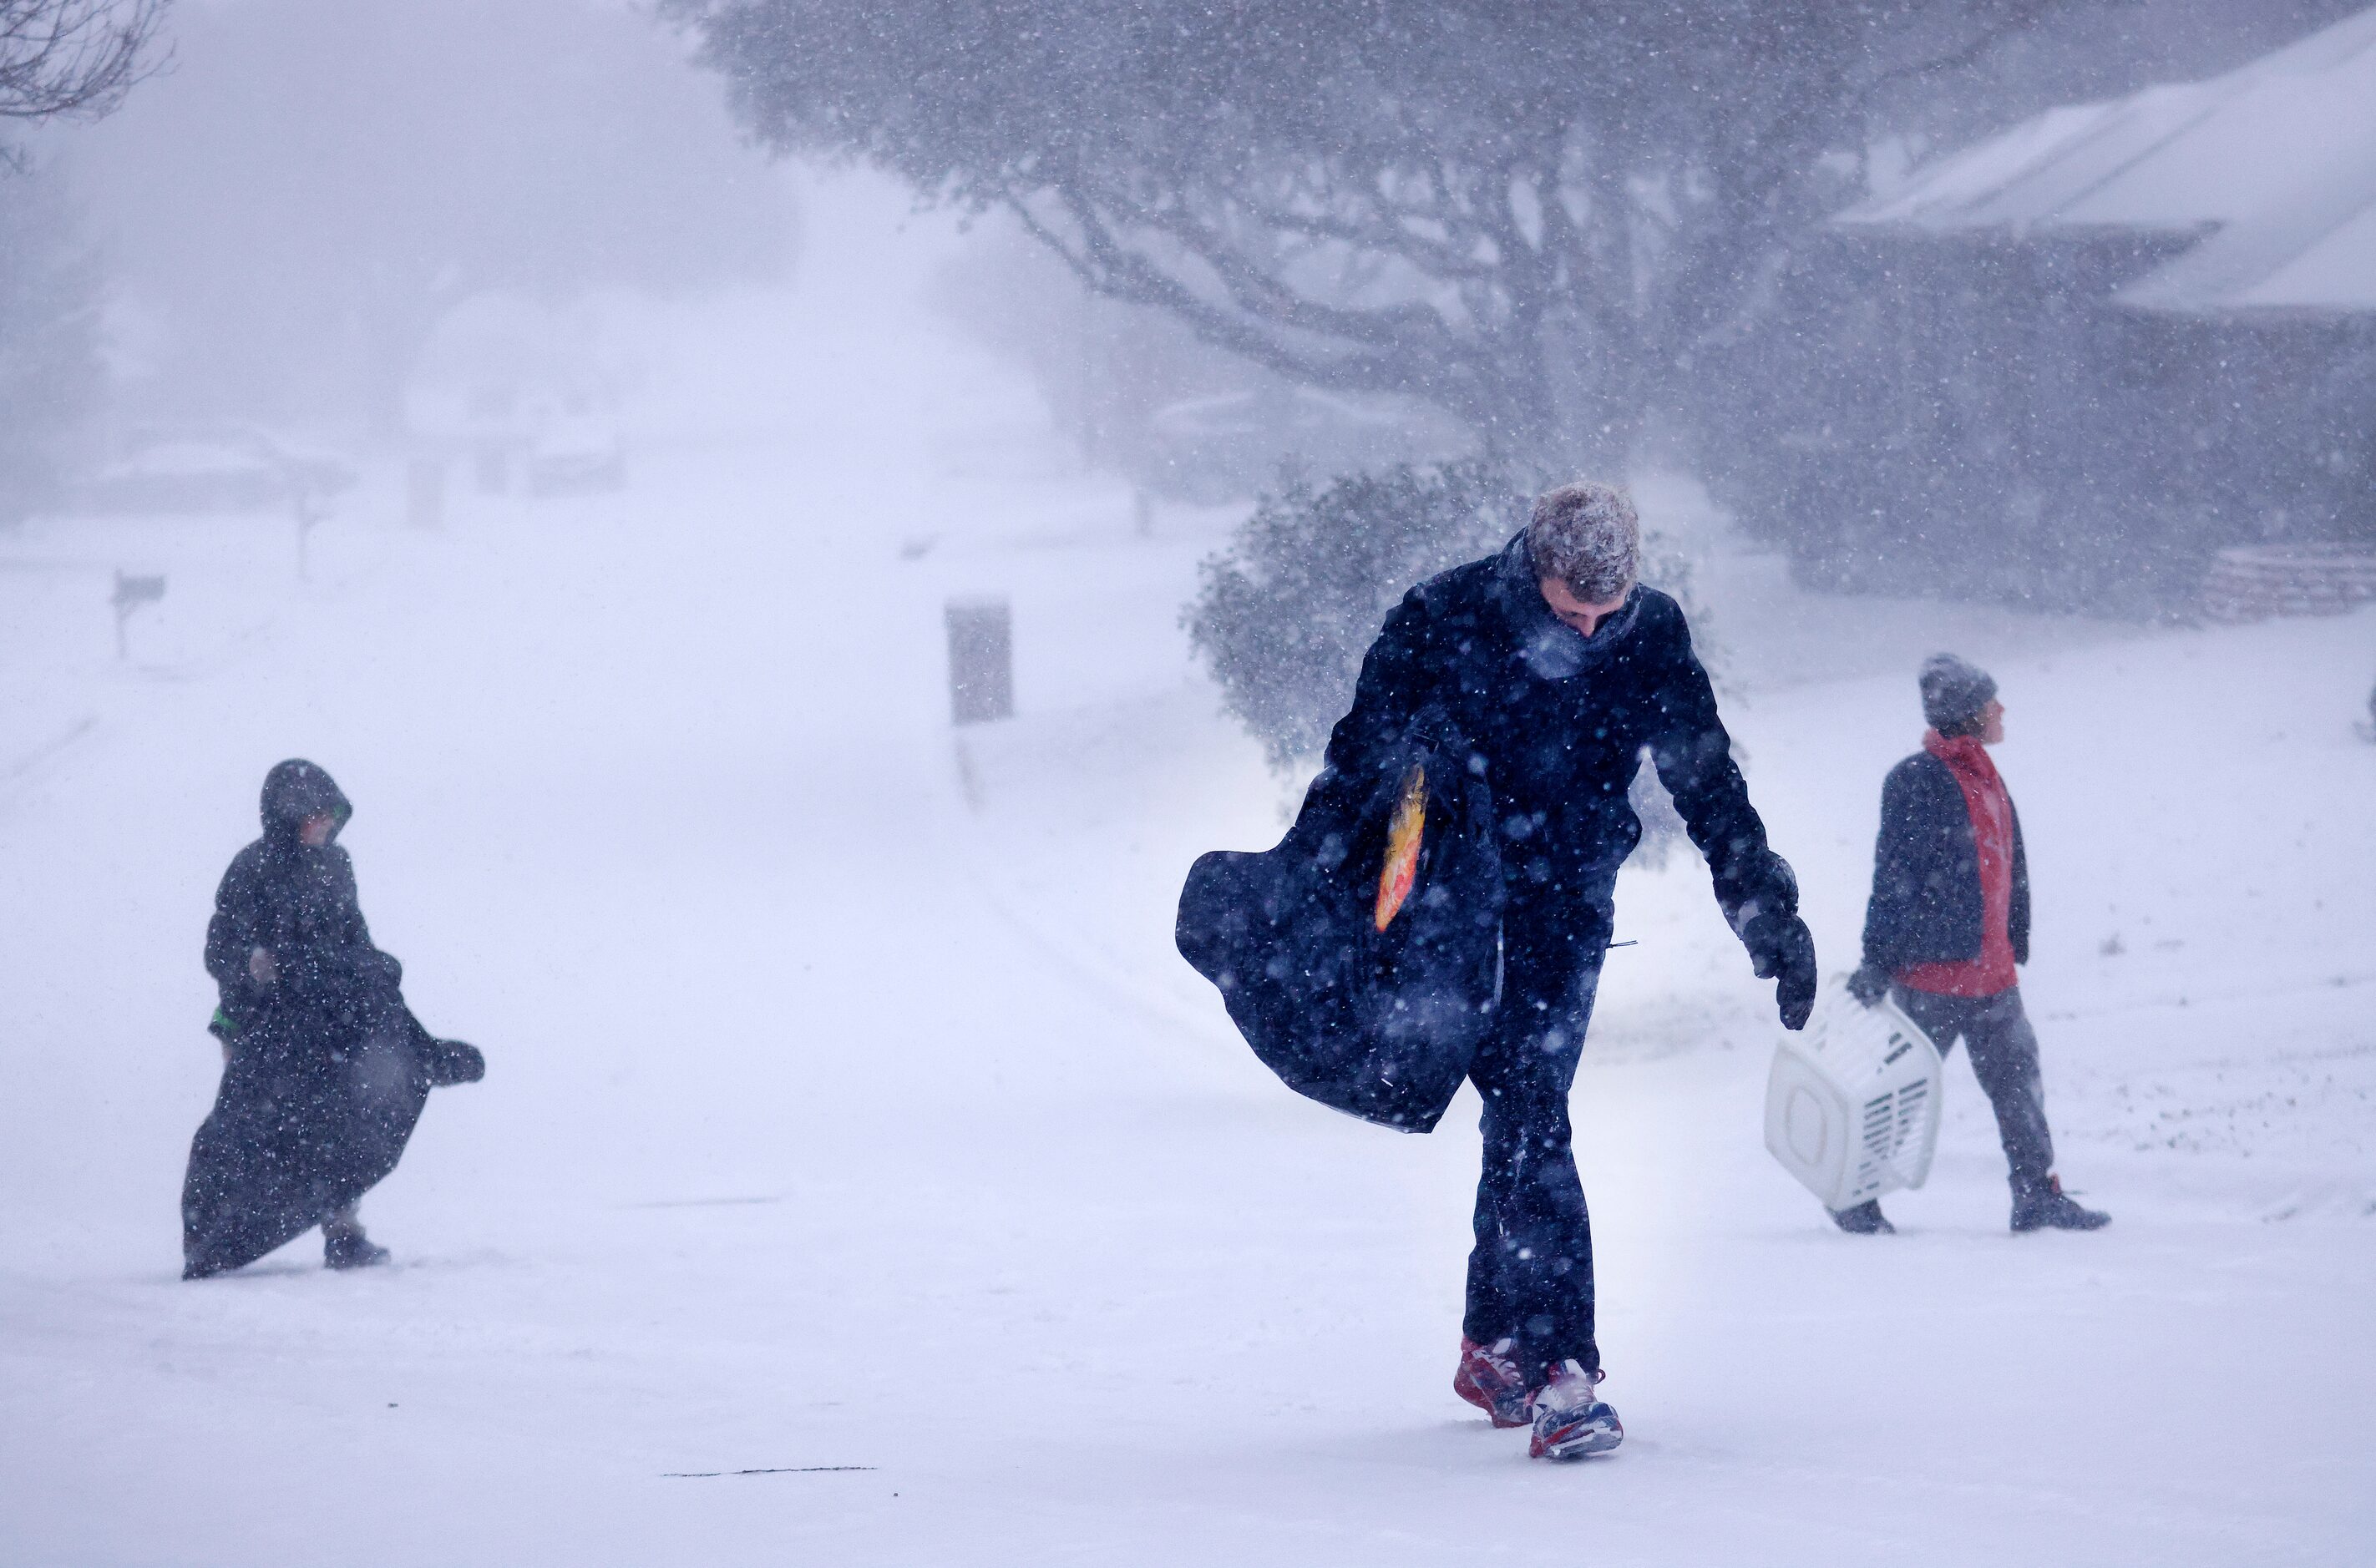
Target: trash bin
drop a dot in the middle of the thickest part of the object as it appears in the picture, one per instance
(1852, 1104)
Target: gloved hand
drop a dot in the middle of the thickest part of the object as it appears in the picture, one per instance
(1782, 949)
(1869, 984)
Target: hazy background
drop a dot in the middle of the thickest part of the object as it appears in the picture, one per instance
(390, 229)
(455, 393)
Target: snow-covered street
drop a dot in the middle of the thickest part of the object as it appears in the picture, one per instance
(851, 1119)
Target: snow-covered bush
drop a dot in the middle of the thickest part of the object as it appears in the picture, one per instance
(1284, 614)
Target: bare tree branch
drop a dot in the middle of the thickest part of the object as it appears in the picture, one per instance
(1108, 265)
(1428, 197)
(74, 58)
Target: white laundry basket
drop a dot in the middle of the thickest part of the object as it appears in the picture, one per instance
(1852, 1106)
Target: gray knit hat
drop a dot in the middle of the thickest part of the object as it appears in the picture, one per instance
(1953, 692)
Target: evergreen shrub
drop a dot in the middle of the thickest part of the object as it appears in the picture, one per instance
(1284, 614)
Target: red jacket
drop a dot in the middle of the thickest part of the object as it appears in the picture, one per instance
(1991, 806)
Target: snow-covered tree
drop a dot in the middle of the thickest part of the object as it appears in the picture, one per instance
(1532, 215)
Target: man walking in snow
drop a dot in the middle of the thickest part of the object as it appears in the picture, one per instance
(1561, 670)
(1948, 921)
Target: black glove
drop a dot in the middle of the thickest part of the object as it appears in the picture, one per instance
(1782, 949)
(1869, 984)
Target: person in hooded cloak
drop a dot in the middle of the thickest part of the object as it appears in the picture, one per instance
(325, 1071)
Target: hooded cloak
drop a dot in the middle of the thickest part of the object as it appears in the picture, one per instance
(327, 1072)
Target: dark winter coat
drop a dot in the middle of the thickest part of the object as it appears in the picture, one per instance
(297, 903)
(1561, 722)
(325, 1072)
(1532, 734)
(1379, 1024)
(1925, 904)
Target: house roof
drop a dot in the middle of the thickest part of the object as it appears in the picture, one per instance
(2273, 164)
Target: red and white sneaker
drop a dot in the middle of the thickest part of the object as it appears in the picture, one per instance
(1489, 1378)
(1571, 1422)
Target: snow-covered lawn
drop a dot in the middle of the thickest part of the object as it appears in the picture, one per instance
(849, 1118)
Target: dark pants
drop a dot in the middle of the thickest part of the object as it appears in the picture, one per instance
(2004, 1058)
(1531, 1274)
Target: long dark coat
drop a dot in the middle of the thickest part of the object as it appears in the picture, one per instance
(1380, 1024)
(1926, 873)
(327, 1072)
(1553, 727)
(1561, 722)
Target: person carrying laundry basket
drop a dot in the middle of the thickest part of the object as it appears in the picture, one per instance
(1559, 672)
(1949, 921)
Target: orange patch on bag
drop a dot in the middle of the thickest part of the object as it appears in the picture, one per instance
(1403, 836)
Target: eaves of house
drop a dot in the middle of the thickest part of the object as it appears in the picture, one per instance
(2270, 168)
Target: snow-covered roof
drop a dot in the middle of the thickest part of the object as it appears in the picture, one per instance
(2274, 164)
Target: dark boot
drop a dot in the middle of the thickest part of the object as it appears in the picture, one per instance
(1865, 1219)
(2046, 1208)
(345, 1248)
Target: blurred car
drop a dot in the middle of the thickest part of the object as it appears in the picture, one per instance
(223, 472)
(579, 455)
(1215, 449)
